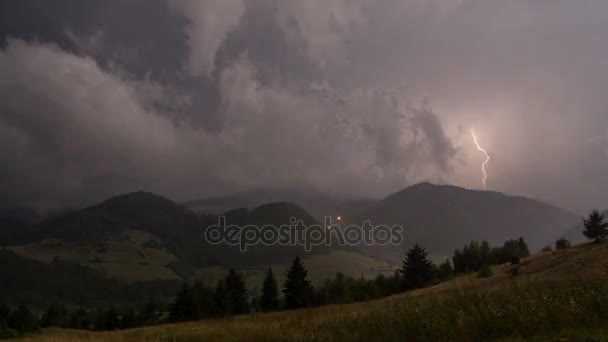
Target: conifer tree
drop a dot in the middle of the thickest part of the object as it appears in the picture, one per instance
(417, 270)
(595, 227)
(221, 301)
(237, 293)
(184, 307)
(297, 289)
(270, 293)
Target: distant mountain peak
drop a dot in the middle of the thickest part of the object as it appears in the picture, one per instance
(138, 198)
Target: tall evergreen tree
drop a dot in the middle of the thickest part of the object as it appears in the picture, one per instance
(297, 289)
(237, 293)
(524, 251)
(55, 316)
(4, 314)
(270, 293)
(459, 262)
(444, 270)
(80, 319)
(203, 298)
(417, 270)
(221, 300)
(486, 255)
(184, 307)
(595, 227)
(23, 320)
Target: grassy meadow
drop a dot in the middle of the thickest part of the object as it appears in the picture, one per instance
(560, 296)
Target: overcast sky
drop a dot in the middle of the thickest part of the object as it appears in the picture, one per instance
(191, 98)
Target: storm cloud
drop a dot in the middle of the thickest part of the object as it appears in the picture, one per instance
(194, 98)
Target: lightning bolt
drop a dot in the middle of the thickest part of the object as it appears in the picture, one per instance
(483, 166)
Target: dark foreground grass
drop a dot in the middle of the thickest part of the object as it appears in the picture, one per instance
(534, 311)
(562, 296)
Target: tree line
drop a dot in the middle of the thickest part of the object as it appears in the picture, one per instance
(196, 300)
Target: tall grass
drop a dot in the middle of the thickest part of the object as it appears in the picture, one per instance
(510, 312)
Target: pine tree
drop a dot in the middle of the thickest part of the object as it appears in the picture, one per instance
(297, 289)
(55, 316)
(270, 293)
(459, 262)
(203, 299)
(221, 301)
(4, 313)
(524, 251)
(444, 270)
(184, 307)
(486, 254)
(80, 319)
(417, 270)
(237, 293)
(562, 243)
(595, 227)
(338, 290)
(23, 320)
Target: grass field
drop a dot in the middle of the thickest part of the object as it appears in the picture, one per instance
(320, 267)
(127, 257)
(557, 296)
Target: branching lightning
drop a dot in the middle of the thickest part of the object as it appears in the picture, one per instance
(483, 166)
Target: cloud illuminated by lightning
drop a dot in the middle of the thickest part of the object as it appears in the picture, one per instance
(483, 166)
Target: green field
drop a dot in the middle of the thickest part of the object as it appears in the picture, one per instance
(557, 296)
(130, 256)
(320, 267)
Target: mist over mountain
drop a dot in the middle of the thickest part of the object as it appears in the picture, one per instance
(440, 217)
(316, 203)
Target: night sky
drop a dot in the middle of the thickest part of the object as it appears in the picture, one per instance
(192, 98)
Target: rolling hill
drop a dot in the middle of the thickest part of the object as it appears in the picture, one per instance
(143, 238)
(317, 204)
(443, 218)
(555, 296)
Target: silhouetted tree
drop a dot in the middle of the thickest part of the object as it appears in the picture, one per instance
(459, 262)
(221, 301)
(151, 312)
(270, 293)
(444, 270)
(595, 227)
(417, 270)
(512, 251)
(55, 316)
(237, 293)
(338, 291)
(203, 298)
(297, 289)
(80, 319)
(524, 251)
(112, 318)
(23, 320)
(184, 306)
(486, 257)
(562, 243)
(4, 313)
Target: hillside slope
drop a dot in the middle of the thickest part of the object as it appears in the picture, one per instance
(560, 295)
(317, 204)
(443, 218)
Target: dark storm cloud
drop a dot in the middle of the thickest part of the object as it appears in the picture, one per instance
(191, 97)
